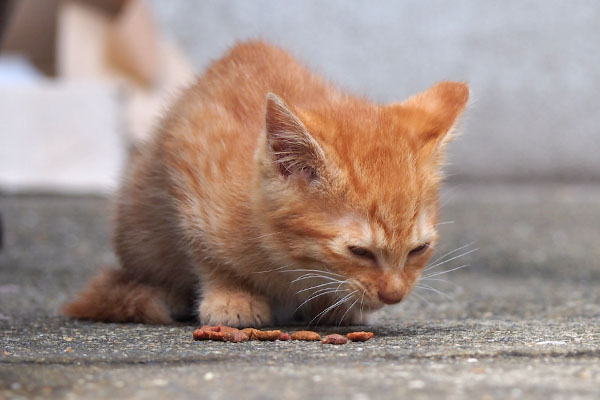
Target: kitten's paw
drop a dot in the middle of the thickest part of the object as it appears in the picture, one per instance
(236, 309)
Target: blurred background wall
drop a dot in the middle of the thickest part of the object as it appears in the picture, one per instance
(533, 66)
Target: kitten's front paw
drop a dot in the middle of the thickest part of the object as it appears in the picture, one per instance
(236, 309)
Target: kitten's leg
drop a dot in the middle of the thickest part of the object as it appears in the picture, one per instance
(230, 303)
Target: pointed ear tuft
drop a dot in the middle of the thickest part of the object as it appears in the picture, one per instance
(442, 104)
(447, 99)
(292, 148)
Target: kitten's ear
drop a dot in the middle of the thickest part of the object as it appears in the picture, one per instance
(442, 105)
(290, 145)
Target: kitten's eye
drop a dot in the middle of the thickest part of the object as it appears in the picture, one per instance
(362, 252)
(418, 250)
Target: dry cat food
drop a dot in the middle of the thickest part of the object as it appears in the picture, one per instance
(334, 339)
(305, 335)
(228, 334)
(200, 334)
(220, 333)
(257, 334)
(359, 336)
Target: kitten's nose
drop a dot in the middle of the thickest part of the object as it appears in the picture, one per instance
(391, 289)
(391, 297)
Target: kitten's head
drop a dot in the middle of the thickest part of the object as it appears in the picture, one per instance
(352, 188)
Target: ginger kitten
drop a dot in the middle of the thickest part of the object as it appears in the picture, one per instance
(265, 188)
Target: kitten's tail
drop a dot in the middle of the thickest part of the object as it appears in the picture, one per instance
(111, 296)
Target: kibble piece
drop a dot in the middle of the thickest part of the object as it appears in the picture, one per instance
(201, 334)
(223, 328)
(233, 334)
(305, 335)
(249, 332)
(211, 328)
(236, 336)
(221, 333)
(359, 336)
(257, 334)
(220, 336)
(334, 339)
(267, 335)
(228, 334)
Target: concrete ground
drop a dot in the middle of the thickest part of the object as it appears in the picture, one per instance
(521, 322)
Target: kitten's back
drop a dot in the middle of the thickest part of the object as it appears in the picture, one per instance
(240, 81)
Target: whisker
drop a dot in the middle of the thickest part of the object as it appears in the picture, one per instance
(336, 307)
(445, 272)
(271, 270)
(361, 305)
(449, 195)
(439, 280)
(451, 252)
(327, 288)
(310, 276)
(313, 296)
(444, 223)
(317, 286)
(421, 298)
(427, 287)
(283, 269)
(324, 290)
(339, 302)
(450, 259)
(312, 270)
(349, 308)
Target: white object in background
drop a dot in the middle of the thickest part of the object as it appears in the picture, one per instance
(17, 70)
(60, 137)
(91, 45)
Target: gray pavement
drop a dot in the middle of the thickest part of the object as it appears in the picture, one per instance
(521, 322)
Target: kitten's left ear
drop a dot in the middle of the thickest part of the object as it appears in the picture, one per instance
(440, 107)
(289, 143)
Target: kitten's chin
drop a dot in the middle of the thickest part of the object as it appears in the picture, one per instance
(369, 316)
(366, 318)
(372, 306)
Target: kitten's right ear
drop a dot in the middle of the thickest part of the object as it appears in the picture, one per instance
(289, 143)
(443, 104)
